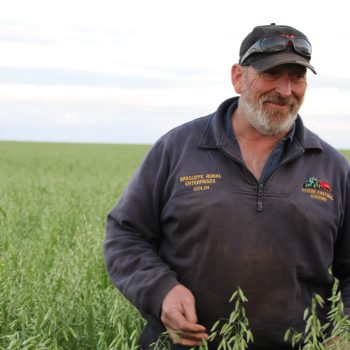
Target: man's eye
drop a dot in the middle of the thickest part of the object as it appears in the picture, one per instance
(273, 71)
(298, 76)
(271, 74)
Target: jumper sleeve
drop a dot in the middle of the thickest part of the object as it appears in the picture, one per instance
(133, 234)
(341, 265)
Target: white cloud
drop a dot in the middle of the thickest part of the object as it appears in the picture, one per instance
(112, 63)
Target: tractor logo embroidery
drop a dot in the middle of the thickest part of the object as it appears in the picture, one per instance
(318, 189)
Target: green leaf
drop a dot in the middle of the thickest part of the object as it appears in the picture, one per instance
(287, 335)
(3, 212)
(319, 300)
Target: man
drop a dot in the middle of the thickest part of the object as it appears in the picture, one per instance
(244, 197)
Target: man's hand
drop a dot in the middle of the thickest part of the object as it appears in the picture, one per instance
(180, 319)
(334, 344)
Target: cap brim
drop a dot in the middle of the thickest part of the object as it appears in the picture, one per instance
(277, 59)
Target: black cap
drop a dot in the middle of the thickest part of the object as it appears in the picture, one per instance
(262, 61)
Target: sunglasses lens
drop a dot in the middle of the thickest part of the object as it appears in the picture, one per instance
(273, 43)
(302, 46)
(277, 43)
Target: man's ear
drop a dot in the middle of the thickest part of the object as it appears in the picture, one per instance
(237, 77)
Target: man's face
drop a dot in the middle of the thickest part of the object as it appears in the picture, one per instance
(271, 99)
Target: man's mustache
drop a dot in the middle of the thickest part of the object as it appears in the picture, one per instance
(279, 100)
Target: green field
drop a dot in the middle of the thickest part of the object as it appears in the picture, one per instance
(54, 290)
(346, 153)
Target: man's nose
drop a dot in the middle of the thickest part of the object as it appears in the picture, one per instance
(284, 86)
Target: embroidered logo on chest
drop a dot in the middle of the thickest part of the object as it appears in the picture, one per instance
(200, 182)
(318, 189)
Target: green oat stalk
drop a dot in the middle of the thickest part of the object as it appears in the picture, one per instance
(234, 332)
(332, 335)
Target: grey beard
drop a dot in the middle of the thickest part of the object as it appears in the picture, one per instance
(268, 124)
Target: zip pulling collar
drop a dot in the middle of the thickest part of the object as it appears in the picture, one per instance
(260, 197)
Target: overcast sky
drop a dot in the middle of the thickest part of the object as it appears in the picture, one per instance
(117, 71)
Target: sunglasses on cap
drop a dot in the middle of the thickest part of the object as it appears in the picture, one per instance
(277, 43)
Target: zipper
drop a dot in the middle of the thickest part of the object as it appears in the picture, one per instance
(260, 194)
(260, 197)
(261, 186)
